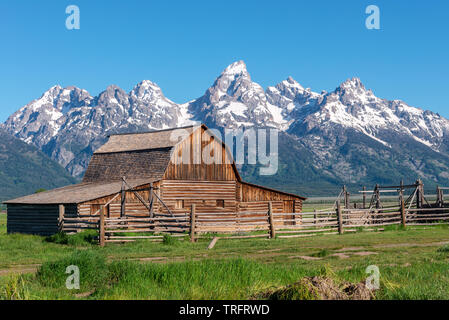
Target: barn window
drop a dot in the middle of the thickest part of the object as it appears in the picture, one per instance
(179, 204)
(220, 203)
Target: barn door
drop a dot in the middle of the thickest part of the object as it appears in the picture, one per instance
(289, 208)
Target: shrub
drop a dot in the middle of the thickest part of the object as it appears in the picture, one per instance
(443, 249)
(169, 240)
(322, 253)
(78, 239)
(59, 238)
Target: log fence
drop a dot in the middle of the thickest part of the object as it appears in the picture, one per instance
(246, 225)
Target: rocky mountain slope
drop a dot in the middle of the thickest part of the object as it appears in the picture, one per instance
(347, 136)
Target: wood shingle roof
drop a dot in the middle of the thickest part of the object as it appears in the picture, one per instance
(145, 140)
(150, 164)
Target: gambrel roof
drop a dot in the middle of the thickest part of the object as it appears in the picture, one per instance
(166, 138)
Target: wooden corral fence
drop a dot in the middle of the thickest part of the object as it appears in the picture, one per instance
(262, 224)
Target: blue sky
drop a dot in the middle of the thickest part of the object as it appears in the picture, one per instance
(184, 45)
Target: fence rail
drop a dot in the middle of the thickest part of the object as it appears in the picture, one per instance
(241, 225)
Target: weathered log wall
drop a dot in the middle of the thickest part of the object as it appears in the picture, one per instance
(38, 219)
(208, 196)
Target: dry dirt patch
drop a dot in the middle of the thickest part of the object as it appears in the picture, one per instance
(268, 250)
(305, 257)
(20, 269)
(350, 249)
(341, 255)
(364, 253)
(406, 244)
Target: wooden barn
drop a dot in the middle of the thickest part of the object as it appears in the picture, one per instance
(151, 173)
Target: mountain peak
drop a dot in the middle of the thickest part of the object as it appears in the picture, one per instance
(52, 91)
(146, 90)
(236, 68)
(146, 85)
(353, 83)
(290, 82)
(55, 87)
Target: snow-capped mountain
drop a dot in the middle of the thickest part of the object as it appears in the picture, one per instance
(338, 132)
(68, 124)
(40, 120)
(234, 101)
(351, 105)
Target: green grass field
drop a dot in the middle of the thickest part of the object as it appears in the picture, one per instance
(413, 263)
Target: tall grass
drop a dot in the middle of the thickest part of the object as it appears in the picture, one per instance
(205, 279)
(214, 279)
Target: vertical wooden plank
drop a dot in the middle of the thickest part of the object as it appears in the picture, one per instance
(377, 193)
(101, 227)
(421, 193)
(123, 200)
(403, 217)
(150, 199)
(339, 218)
(270, 220)
(294, 211)
(61, 217)
(192, 223)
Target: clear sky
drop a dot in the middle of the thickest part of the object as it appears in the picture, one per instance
(184, 45)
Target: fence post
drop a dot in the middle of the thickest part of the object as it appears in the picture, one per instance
(403, 217)
(101, 227)
(192, 223)
(339, 218)
(122, 199)
(61, 217)
(271, 221)
(315, 216)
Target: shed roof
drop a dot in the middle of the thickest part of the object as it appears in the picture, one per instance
(274, 190)
(77, 193)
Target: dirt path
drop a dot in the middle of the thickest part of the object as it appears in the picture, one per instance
(20, 269)
(408, 244)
